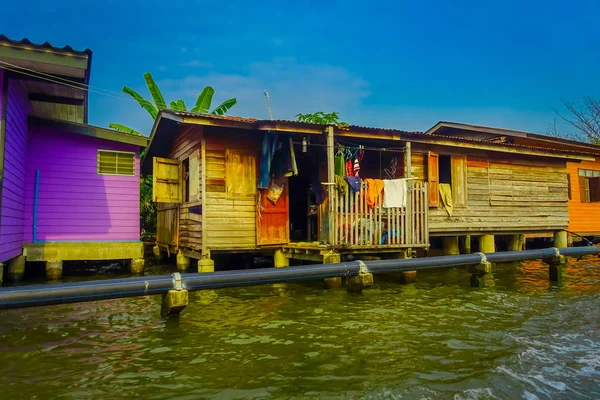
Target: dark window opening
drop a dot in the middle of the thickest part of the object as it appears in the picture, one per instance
(589, 186)
(445, 169)
(186, 178)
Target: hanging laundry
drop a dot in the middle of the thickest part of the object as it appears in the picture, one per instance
(446, 197)
(276, 189)
(341, 185)
(374, 188)
(357, 160)
(339, 163)
(293, 159)
(266, 157)
(353, 182)
(349, 168)
(284, 161)
(394, 193)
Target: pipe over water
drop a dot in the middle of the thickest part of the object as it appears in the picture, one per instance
(63, 293)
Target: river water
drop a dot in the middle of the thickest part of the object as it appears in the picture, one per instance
(518, 337)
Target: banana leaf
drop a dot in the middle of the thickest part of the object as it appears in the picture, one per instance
(157, 96)
(145, 104)
(204, 100)
(123, 128)
(224, 107)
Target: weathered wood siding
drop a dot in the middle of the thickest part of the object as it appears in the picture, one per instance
(74, 201)
(584, 218)
(525, 194)
(230, 220)
(188, 230)
(14, 166)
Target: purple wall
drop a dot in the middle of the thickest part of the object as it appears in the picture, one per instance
(15, 160)
(74, 202)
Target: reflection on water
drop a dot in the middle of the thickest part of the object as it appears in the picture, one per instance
(519, 337)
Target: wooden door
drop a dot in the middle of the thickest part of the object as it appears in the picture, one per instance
(167, 184)
(272, 220)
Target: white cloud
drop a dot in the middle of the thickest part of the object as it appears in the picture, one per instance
(197, 64)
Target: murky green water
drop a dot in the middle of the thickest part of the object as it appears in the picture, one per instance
(520, 338)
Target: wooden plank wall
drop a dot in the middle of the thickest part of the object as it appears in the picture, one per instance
(230, 221)
(584, 218)
(189, 232)
(522, 194)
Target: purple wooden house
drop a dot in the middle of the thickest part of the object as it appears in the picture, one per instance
(68, 190)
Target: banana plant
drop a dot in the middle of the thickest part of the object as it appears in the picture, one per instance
(203, 103)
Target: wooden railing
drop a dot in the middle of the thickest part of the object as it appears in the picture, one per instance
(355, 224)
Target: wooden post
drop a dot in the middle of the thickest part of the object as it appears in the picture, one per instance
(514, 243)
(407, 161)
(331, 180)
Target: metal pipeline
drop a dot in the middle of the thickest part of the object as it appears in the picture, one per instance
(62, 293)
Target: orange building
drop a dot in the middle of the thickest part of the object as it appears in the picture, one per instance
(583, 177)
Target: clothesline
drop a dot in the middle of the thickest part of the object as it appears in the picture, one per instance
(381, 149)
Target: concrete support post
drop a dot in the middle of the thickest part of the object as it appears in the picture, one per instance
(206, 265)
(409, 276)
(280, 260)
(464, 244)
(481, 274)
(16, 268)
(364, 280)
(515, 242)
(183, 262)
(174, 301)
(137, 265)
(54, 270)
(450, 245)
(555, 267)
(158, 255)
(1, 273)
(560, 239)
(487, 244)
(336, 282)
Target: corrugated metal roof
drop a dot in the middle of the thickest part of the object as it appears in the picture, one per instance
(376, 130)
(44, 46)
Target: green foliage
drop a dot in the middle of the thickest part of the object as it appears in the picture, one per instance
(157, 96)
(204, 100)
(147, 206)
(224, 107)
(123, 128)
(333, 118)
(145, 104)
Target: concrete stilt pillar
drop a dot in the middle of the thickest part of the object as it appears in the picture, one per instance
(54, 270)
(206, 265)
(364, 280)
(183, 262)
(481, 274)
(560, 239)
(409, 276)
(336, 282)
(137, 265)
(464, 244)
(555, 267)
(16, 268)
(487, 244)
(173, 303)
(450, 245)
(1, 273)
(280, 260)
(514, 242)
(158, 255)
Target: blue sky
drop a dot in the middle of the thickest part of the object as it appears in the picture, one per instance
(400, 65)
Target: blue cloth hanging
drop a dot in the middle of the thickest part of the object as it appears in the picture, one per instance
(266, 156)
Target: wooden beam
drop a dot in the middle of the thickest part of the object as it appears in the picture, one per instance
(407, 161)
(331, 180)
(55, 99)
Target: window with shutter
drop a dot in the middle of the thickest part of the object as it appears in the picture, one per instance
(167, 184)
(589, 185)
(116, 163)
(433, 177)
